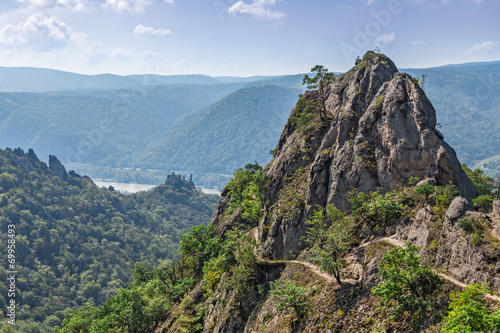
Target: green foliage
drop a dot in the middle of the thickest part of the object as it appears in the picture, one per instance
(274, 152)
(246, 192)
(77, 243)
(379, 102)
(303, 115)
(408, 285)
(468, 224)
(288, 295)
(483, 202)
(329, 235)
(235, 256)
(198, 246)
(438, 196)
(483, 182)
(191, 318)
(365, 62)
(323, 76)
(424, 190)
(320, 81)
(205, 257)
(376, 207)
(420, 82)
(469, 312)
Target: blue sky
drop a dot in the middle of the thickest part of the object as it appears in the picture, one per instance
(243, 38)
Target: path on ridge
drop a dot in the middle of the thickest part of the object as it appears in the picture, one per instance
(330, 278)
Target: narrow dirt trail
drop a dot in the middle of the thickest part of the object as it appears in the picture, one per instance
(331, 279)
(399, 243)
(315, 269)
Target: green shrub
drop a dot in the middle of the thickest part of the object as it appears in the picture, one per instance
(483, 183)
(483, 202)
(288, 295)
(467, 223)
(379, 102)
(246, 192)
(304, 114)
(424, 190)
(274, 151)
(408, 285)
(376, 207)
(469, 312)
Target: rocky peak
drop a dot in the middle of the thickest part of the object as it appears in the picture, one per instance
(57, 168)
(382, 131)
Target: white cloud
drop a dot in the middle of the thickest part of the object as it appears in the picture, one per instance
(38, 3)
(131, 6)
(75, 5)
(170, 2)
(41, 33)
(369, 2)
(141, 30)
(385, 40)
(484, 46)
(122, 54)
(258, 8)
(418, 42)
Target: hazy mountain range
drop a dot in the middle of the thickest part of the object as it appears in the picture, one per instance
(196, 123)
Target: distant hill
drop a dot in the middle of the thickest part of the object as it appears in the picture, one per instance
(154, 79)
(467, 101)
(38, 80)
(103, 127)
(238, 129)
(292, 81)
(27, 79)
(111, 127)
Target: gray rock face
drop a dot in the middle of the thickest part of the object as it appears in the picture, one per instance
(457, 208)
(57, 168)
(382, 132)
(496, 209)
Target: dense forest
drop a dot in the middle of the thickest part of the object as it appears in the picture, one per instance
(76, 243)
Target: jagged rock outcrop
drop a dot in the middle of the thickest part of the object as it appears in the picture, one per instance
(382, 132)
(57, 168)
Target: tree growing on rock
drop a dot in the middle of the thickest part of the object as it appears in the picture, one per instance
(329, 235)
(322, 78)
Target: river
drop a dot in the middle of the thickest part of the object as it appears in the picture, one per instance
(133, 188)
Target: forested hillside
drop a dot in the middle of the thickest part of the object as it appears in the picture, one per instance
(76, 243)
(103, 127)
(221, 138)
